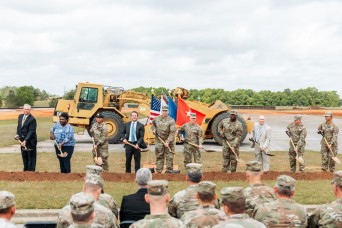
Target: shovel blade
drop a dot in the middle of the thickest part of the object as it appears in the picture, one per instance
(337, 160)
(241, 161)
(63, 155)
(145, 150)
(300, 160)
(98, 161)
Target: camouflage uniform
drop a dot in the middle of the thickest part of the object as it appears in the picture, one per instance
(165, 127)
(233, 195)
(330, 131)
(329, 215)
(193, 134)
(283, 211)
(81, 205)
(185, 200)
(100, 134)
(7, 200)
(233, 132)
(157, 188)
(298, 134)
(204, 216)
(256, 194)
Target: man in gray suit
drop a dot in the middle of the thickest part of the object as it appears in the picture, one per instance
(262, 136)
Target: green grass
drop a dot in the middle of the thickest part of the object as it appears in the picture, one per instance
(8, 130)
(41, 104)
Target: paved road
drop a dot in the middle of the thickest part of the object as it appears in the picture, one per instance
(279, 141)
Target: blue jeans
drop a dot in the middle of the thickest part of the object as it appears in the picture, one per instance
(64, 163)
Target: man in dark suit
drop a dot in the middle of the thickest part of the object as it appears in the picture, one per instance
(133, 137)
(26, 133)
(134, 206)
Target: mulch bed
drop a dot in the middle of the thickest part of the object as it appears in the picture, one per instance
(123, 177)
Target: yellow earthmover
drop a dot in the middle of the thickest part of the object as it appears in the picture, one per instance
(91, 99)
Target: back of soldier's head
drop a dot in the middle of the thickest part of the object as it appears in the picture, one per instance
(206, 191)
(7, 202)
(285, 185)
(194, 172)
(234, 198)
(254, 169)
(82, 208)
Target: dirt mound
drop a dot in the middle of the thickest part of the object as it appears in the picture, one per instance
(121, 177)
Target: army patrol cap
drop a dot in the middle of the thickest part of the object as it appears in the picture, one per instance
(6, 199)
(233, 112)
(95, 179)
(193, 168)
(328, 114)
(157, 187)
(337, 178)
(298, 117)
(165, 108)
(94, 169)
(99, 115)
(206, 187)
(285, 181)
(254, 166)
(192, 115)
(81, 204)
(232, 194)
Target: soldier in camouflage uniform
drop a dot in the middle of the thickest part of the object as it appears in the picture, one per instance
(158, 198)
(284, 211)
(105, 199)
(206, 215)
(234, 200)
(82, 211)
(330, 132)
(185, 200)
(103, 216)
(193, 134)
(165, 127)
(256, 193)
(297, 132)
(329, 215)
(231, 129)
(7, 209)
(100, 133)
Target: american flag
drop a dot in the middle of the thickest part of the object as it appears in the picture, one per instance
(155, 108)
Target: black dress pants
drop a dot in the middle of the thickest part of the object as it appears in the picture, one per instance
(29, 158)
(130, 152)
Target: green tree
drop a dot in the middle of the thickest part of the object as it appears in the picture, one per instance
(11, 100)
(1, 101)
(25, 95)
(69, 95)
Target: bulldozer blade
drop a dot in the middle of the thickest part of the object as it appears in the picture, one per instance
(300, 160)
(337, 160)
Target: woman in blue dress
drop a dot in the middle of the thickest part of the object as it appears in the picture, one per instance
(63, 133)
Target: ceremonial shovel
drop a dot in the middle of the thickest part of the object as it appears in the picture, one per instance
(268, 154)
(61, 154)
(232, 149)
(141, 149)
(97, 160)
(206, 150)
(299, 159)
(167, 146)
(336, 159)
(24, 147)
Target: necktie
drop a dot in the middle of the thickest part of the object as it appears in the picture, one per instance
(23, 120)
(132, 132)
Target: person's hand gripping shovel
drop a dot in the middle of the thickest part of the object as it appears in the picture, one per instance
(21, 143)
(253, 141)
(200, 147)
(233, 150)
(299, 159)
(336, 159)
(97, 160)
(61, 154)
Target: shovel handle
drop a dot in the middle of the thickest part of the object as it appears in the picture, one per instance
(167, 146)
(194, 144)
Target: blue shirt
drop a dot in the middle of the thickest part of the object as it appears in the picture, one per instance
(63, 134)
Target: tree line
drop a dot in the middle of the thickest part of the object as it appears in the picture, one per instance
(11, 96)
(302, 97)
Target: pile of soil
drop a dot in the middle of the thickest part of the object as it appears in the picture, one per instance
(123, 177)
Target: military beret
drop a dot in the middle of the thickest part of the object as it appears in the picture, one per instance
(337, 178)
(193, 168)
(157, 187)
(99, 115)
(192, 115)
(233, 112)
(6, 199)
(165, 108)
(285, 182)
(94, 179)
(232, 194)
(94, 169)
(254, 166)
(328, 114)
(298, 117)
(206, 187)
(81, 204)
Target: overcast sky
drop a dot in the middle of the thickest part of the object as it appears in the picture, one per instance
(229, 44)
